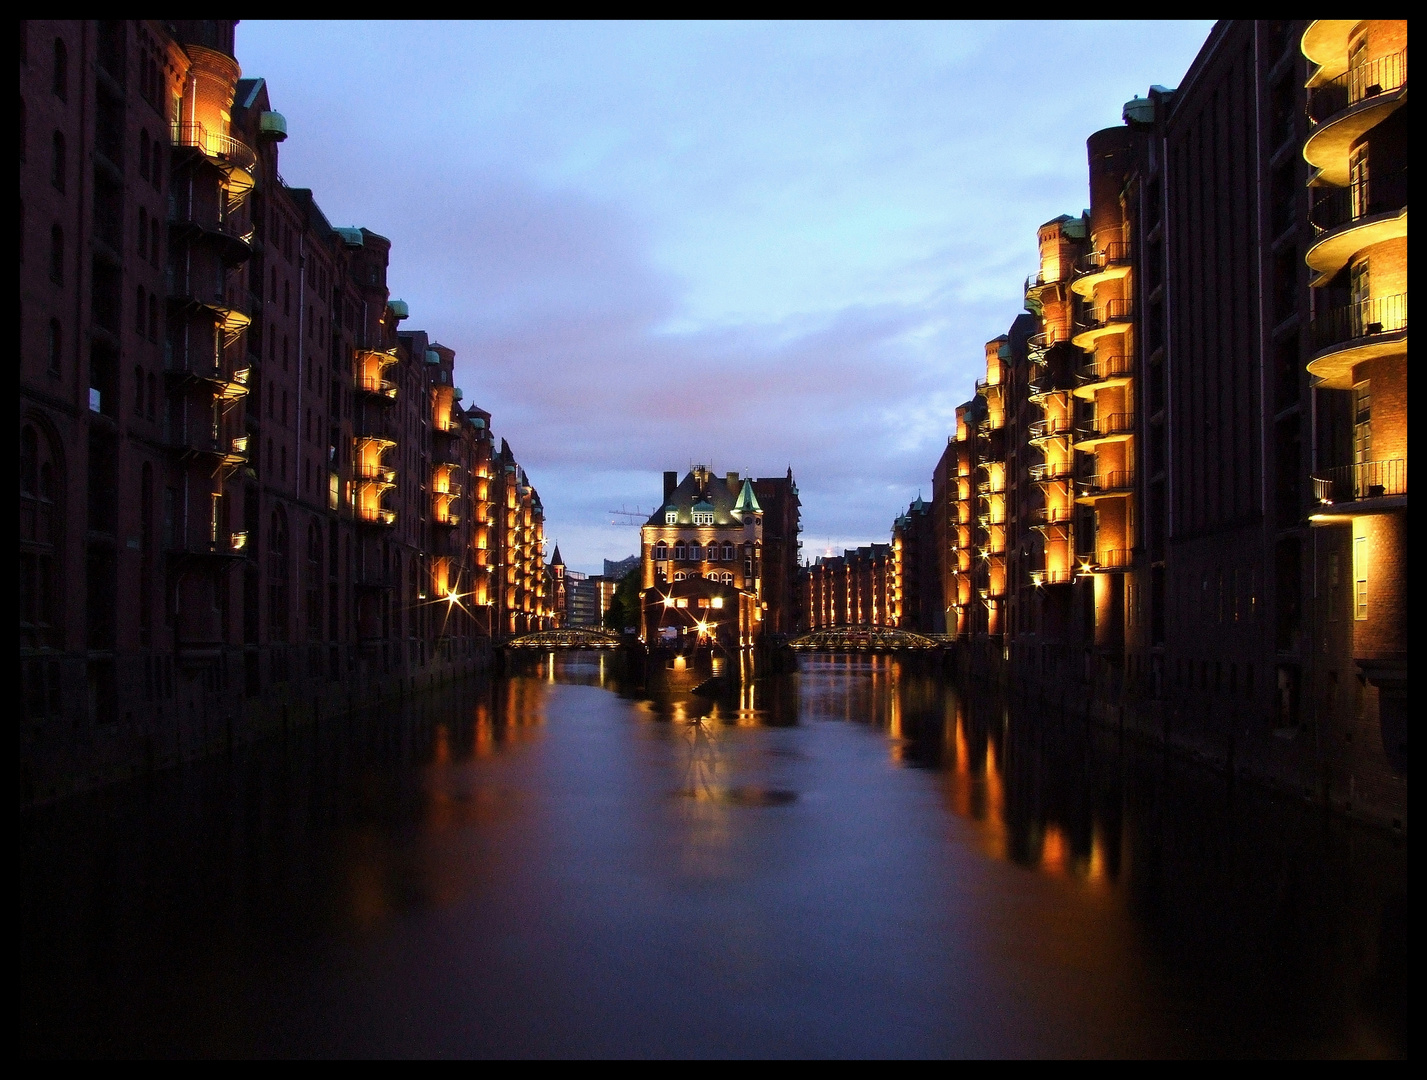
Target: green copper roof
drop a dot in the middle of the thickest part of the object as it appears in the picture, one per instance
(747, 501)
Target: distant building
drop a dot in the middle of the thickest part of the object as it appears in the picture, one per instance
(703, 551)
(615, 571)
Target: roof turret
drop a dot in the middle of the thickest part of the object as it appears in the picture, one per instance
(747, 501)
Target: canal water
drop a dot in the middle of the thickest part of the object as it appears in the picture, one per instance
(853, 859)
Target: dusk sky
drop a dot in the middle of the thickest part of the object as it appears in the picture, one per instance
(748, 245)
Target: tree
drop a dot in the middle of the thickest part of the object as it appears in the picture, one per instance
(624, 609)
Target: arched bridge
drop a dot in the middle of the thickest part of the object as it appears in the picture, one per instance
(569, 638)
(862, 639)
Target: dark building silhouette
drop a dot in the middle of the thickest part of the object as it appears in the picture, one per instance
(246, 494)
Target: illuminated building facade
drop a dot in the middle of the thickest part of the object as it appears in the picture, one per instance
(245, 493)
(522, 582)
(856, 588)
(1183, 501)
(710, 529)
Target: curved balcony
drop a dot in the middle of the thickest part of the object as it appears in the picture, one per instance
(1041, 390)
(233, 238)
(1366, 481)
(1348, 335)
(1052, 472)
(1041, 578)
(235, 159)
(376, 515)
(1110, 317)
(1325, 43)
(1345, 108)
(1098, 267)
(1111, 561)
(1115, 484)
(1103, 373)
(988, 488)
(375, 385)
(1050, 429)
(1113, 427)
(1350, 219)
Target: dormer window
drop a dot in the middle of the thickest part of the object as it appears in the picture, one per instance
(671, 517)
(703, 517)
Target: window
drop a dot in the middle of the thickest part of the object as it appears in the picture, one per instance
(138, 391)
(61, 71)
(728, 553)
(153, 396)
(727, 578)
(56, 345)
(153, 318)
(1360, 578)
(680, 551)
(680, 576)
(39, 482)
(141, 310)
(277, 577)
(144, 153)
(143, 232)
(695, 552)
(57, 166)
(57, 255)
(671, 517)
(661, 552)
(1362, 423)
(703, 517)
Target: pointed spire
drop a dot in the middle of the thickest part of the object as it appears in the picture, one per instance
(747, 501)
(555, 559)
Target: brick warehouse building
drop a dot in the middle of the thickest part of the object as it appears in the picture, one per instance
(242, 485)
(1180, 493)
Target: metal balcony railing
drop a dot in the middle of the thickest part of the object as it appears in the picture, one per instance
(1380, 76)
(1371, 195)
(1051, 470)
(1120, 423)
(1365, 319)
(1098, 369)
(377, 472)
(222, 148)
(1052, 577)
(373, 384)
(1112, 311)
(1052, 515)
(1106, 482)
(1055, 428)
(1113, 558)
(1366, 480)
(1115, 254)
(376, 515)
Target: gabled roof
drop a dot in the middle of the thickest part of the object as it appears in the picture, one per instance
(703, 491)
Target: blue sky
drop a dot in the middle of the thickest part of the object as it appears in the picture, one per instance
(751, 245)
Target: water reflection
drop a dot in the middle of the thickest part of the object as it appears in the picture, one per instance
(852, 858)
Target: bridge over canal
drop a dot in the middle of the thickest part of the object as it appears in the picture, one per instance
(568, 638)
(879, 639)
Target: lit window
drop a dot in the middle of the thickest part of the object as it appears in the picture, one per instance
(682, 601)
(680, 551)
(680, 575)
(661, 552)
(671, 517)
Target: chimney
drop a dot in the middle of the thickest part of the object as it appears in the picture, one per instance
(733, 484)
(671, 481)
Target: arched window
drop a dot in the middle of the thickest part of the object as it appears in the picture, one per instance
(728, 553)
(138, 391)
(143, 233)
(680, 551)
(695, 552)
(278, 569)
(153, 396)
(272, 295)
(727, 578)
(40, 478)
(144, 153)
(155, 253)
(680, 575)
(57, 165)
(56, 345)
(61, 71)
(661, 552)
(57, 255)
(141, 310)
(153, 318)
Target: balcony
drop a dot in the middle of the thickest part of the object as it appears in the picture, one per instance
(1111, 560)
(1363, 483)
(1041, 390)
(1349, 219)
(233, 237)
(1345, 108)
(1114, 427)
(376, 515)
(1109, 318)
(1098, 267)
(1041, 578)
(1348, 335)
(383, 389)
(1050, 472)
(1116, 483)
(1103, 373)
(235, 159)
(1050, 429)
